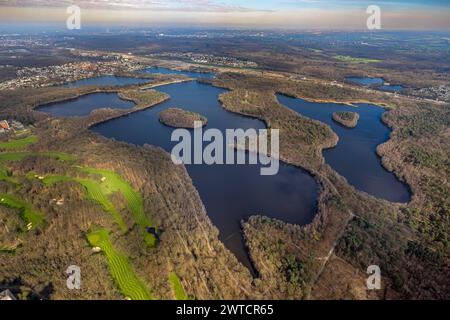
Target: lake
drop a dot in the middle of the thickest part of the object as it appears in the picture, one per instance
(194, 75)
(355, 155)
(391, 88)
(85, 104)
(231, 193)
(365, 81)
(108, 80)
(377, 83)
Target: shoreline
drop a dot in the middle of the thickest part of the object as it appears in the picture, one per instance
(347, 123)
(329, 144)
(180, 118)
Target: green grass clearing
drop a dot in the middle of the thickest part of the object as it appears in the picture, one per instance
(95, 193)
(177, 287)
(21, 143)
(112, 182)
(127, 281)
(32, 218)
(6, 176)
(99, 186)
(16, 156)
(51, 180)
(355, 60)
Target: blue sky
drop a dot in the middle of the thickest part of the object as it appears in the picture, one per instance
(221, 5)
(277, 4)
(299, 14)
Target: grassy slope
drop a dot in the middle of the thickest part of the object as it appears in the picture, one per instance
(177, 287)
(19, 143)
(26, 211)
(15, 156)
(99, 189)
(130, 285)
(95, 193)
(355, 60)
(51, 180)
(115, 183)
(5, 176)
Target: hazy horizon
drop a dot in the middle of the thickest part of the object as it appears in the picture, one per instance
(289, 14)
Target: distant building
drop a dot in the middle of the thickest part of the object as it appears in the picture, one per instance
(4, 125)
(14, 125)
(7, 295)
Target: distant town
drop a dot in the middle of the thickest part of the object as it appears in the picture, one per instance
(208, 59)
(34, 77)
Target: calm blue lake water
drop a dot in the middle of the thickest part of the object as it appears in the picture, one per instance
(84, 105)
(391, 88)
(111, 80)
(195, 75)
(108, 80)
(377, 83)
(365, 81)
(354, 157)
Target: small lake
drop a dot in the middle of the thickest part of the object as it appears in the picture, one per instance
(108, 80)
(194, 75)
(377, 83)
(112, 80)
(391, 88)
(85, 104)
(366, 81)
(355, 155)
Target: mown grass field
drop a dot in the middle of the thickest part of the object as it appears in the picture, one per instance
(31, 217)
(97, 190)
(95, 193)
(111, 182)
(355, 60)
(21, 143)
(127, 281)
(15, 156)
(94, 190)
(177, 287)
(99, 185)
(5, 175)
(103, 183)
(51, 180)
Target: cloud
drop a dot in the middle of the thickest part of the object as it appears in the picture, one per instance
(214, 13)
(156, 5)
